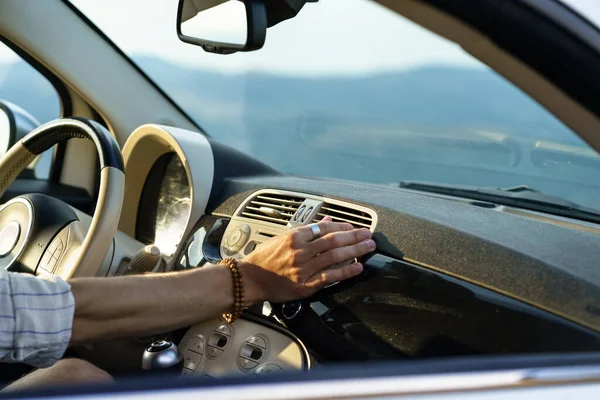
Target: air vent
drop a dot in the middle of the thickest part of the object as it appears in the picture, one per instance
(339, 213)
(272, 207)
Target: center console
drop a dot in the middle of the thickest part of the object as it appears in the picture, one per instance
(215, 348)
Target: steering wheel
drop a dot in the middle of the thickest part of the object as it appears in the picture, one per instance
(43, 235)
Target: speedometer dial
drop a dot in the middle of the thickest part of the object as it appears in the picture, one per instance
(165, 208)
(173, 209)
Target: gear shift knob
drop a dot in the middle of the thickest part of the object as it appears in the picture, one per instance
(162, 356)
(145, 260)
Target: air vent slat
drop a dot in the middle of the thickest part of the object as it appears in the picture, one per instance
(272, 207)
(364, 218)
(284, 200)
(264, 218)
(267, 234)
(275, 206)
(342, 213)
(339, 219)
(257, 209)
(281, 207)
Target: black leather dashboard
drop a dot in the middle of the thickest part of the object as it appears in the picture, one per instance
(542, 264)
(449, 276)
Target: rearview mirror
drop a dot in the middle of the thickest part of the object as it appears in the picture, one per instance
(223, 26)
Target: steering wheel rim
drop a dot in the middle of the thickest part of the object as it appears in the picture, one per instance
(99, 237)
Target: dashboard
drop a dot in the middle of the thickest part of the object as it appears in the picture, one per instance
(449, 277)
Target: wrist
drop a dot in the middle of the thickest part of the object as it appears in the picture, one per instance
(253, 293)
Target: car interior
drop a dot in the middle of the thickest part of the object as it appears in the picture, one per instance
(126, 182)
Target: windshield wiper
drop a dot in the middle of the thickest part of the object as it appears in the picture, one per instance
(518, 196)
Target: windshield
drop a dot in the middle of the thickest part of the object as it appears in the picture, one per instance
(351, 90)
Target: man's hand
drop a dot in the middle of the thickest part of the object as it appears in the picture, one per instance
(294, 266)
(288, 267)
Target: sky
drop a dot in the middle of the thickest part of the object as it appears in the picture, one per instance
(328, 37)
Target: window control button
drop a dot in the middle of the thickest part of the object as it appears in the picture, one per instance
(214, 352)
(191, 363)
(224, 329)
(218, 340)
(258, 341)
(251, 352)
(196, 345)
(256, 354)
(246, 364)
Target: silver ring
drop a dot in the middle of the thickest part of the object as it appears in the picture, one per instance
(316, 231)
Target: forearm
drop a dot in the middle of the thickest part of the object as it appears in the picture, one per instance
(147, 304)
(285, 268)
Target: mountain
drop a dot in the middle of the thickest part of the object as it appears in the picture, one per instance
(307, 125)
(220, 102)
(435, 123)
(430, 95)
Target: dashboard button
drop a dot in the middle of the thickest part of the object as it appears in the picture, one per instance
(214, 352)
(196, 345)
(251, 352)
(246, 364)
(237, 239)
(191, 361)
(267, 369)
(218, 340)
(258, 341)
(224, 329)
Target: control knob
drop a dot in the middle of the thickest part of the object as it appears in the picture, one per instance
(237, 239)
(145, 260)
(162, 356)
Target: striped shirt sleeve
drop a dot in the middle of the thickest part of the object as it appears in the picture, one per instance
(36, 318)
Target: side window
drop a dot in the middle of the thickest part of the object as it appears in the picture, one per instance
(25, 87)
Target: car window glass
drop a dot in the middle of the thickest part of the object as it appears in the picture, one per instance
(352, 90)
(24, 86)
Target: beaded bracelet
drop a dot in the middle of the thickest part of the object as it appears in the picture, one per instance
(238, 290)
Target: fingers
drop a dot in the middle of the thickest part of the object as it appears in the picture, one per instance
(338, 239)
(340, 254)
(306, 235)
(333, 275)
